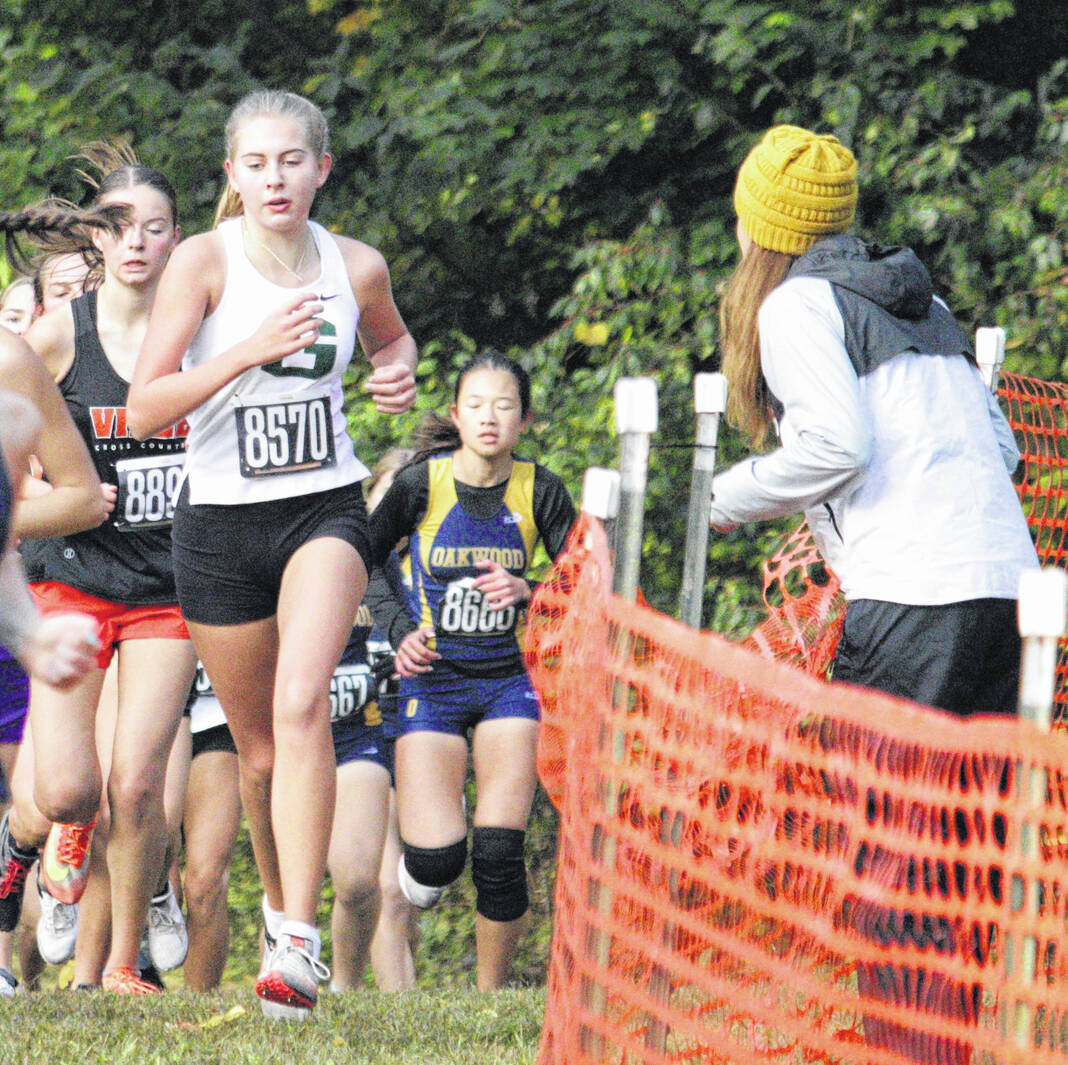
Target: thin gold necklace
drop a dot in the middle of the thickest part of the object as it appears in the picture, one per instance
(295, 271)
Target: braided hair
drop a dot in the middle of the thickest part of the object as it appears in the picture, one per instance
(54, 226)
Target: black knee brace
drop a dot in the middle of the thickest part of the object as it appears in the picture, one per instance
(435, 866)
(499, 873)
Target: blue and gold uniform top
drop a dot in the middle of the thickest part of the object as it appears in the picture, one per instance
(451, 527)
(354, 687)
(444, 550)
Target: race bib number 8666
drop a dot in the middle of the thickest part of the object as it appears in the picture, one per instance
(464, 610)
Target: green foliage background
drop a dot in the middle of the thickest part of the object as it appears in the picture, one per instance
(553, 177)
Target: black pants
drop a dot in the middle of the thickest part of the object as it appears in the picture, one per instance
(962, 657)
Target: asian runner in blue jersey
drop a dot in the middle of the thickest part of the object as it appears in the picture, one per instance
(473, 514)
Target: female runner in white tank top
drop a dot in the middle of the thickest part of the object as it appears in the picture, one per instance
(254, 327)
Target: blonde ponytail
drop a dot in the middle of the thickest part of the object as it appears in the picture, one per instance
(229, 206)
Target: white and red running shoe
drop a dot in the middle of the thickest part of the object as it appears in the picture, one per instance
(289, 985)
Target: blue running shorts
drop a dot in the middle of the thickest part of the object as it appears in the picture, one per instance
(446, 701)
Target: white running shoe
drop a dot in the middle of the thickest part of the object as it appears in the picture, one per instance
(271, 920)
(417, 894)
(57, 927)
(289, 986)
(268, 943)
(168, 941)
(8, 984)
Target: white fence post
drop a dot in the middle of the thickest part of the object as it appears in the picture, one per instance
(710, 401)
(636, 421)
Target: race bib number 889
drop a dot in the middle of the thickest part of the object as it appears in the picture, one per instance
(147, 488)
(285, 437)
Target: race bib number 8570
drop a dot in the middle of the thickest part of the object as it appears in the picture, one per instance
(284, 437)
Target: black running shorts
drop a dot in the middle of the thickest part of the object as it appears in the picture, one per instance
(229, 560)
(216, 738)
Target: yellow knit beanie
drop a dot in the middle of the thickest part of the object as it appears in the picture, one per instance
(795, 187)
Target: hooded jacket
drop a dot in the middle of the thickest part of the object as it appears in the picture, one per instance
(889, 440)
(886, 298)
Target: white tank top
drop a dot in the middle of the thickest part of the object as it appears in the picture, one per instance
(278, 430)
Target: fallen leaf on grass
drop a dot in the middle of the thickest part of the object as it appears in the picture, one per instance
(65, 976)
(232, 1014)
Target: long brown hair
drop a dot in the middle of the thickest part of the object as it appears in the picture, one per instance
(748, 406)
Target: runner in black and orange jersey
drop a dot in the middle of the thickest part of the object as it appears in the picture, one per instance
(121, 574)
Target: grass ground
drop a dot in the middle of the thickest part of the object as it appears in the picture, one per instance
(360, 1027)
(445, 1021)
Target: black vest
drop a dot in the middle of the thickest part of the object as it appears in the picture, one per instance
(886, 300)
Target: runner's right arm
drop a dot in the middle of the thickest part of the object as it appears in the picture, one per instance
(190, 289)
(74, 500)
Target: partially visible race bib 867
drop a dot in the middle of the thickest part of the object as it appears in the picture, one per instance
(351, 688)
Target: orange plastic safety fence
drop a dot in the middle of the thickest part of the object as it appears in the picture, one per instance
(805, 606)
(1037, 413)
(756, 866)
